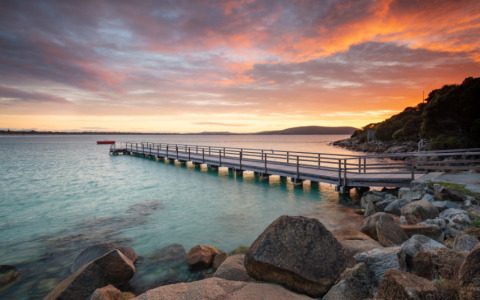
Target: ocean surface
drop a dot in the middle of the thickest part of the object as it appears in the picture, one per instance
(60, 194)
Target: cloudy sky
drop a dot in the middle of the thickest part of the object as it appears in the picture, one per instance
(239, 66)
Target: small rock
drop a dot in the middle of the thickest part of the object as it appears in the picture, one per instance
(219, 259)
(354, 284)
(95, 251)
(449, 243)
(428, 197)
(473, 231)
(440, 222)
(449, 261)
(470, 272)
(465, 242)
(173, 253)
(418, 190)
(112, 268)
(378, 261)
(108, 292)
(233, 268)
(420, 243)
(431, 231)
(404, 193)
(383, 204)
(452, 232)
(395, 207)
(458, 219)
(354, 241)
(200, 258)
(423, 265)
(443, 205)
(399, 285)
(10, 278)
(127, 296)
(389, 233)
(419, 211)
(371, 209)
(299, 253)
(369, 225)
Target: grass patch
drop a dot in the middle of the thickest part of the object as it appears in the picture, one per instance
(460, 188)
(475, 219)
(240, 249)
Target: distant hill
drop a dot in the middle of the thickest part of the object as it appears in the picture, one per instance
(312, 130)
(449, 119)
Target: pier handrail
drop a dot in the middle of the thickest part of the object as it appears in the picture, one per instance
(344, 163)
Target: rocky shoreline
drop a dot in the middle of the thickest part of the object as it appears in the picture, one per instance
(420, 242)
(377, 147)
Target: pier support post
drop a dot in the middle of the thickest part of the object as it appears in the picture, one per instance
(341, 189)
(214, 168)
(263, 176)
(238, 172)
(296, 181)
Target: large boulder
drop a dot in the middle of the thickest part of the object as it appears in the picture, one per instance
(112, 268)
(399, 285)
(299, 253)
(200, 257)
(95, 251)
(233, 268)
(378, 261)
(221, 289)
(431, 231)
(419, 211)
(370, 209)
(395, 207)
(354, 284)
(420, 243)
(354, 241)
(382, 205)
(389, 233)
(469, 275)
(465, 242)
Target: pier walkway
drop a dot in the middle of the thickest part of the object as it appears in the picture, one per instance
(344, 171)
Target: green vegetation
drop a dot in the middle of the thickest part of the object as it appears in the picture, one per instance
(458, 187)
(239, 250)
(449, 118)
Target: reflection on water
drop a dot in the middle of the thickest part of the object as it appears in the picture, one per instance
(61, 194)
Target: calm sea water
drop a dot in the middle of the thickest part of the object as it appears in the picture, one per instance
(59, 194)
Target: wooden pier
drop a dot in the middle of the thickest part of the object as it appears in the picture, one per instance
(344, 171)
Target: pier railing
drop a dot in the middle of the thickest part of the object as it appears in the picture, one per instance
(343, 164)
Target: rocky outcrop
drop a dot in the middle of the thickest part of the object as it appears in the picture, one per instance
(299, 253)
(431, 231)
(112, 268)
(465, 242)
(399, 285)
(96, 251)
(419, 211)
(200, 257)
(219, 259)
(378, 261)
(221, 289)
(354, 284)
(233, 268)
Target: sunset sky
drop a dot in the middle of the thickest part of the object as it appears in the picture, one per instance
(238, 66)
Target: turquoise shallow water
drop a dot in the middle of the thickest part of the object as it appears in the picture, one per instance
(59, 194)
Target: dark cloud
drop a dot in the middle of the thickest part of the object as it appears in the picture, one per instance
(13, 94)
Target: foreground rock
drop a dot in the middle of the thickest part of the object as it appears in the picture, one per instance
(112, 268)
(389, 233)
(299, 253)
(200, 257)
(221, 289)
(173, 253)
(419, 211)
(96, 251)
(448, 262)
(378, 261)
(398, 285)
(108, 292)
(354, 284)
(369, 225)
(219, 259)
(233, 269)
(354, 241)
